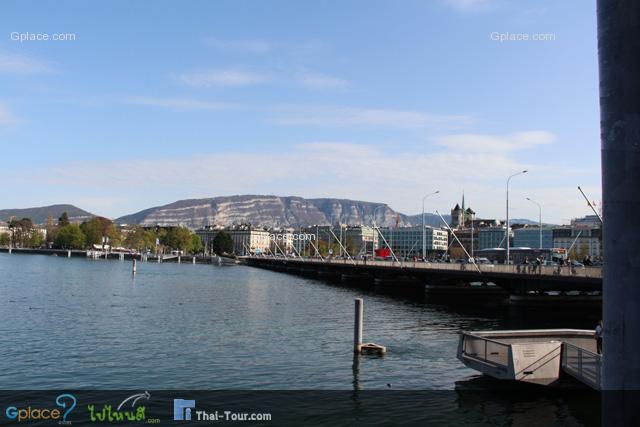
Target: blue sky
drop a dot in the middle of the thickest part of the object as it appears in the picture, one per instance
(373, 100)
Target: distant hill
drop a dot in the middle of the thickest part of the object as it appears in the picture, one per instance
(522, 221)
(273, 211)
(39, 215)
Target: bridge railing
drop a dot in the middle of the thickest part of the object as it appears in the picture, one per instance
(524, 269)
(485, 349)
(582, 364)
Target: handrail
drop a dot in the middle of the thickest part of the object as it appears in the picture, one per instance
(516, 269)
(468, 334)
(591, 377)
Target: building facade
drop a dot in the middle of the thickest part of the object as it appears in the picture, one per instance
(529, 237)
(245, 240)
(492, 237)
(406, 242)
(578, 241)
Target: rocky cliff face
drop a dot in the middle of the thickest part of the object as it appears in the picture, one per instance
(270, 211)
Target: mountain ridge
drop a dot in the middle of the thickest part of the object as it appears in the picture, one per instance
(272, 211)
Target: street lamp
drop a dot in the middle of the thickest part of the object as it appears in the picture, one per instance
(507, 236)
(539, 218)
(424, 231)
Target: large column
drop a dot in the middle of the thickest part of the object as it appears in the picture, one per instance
(619, 59)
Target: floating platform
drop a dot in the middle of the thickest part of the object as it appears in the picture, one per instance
(371, 348)
(532, 356)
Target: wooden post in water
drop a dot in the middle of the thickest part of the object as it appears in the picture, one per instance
(357, 325)
(133, 266)
(193, 261)
(68, 253)
(179, 259)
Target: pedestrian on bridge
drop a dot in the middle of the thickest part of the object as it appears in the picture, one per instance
(599, 334)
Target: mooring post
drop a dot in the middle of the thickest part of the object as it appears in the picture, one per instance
(193, 261)
(68, 253)
(179, 259)
(133, 266)
(357, 325)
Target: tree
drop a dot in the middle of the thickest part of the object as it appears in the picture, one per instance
(222, 243)
(70, 236)
(63, 220)
(36, 239)
(21, 229)
(196, 244)
(177, 238)
(98, 227)
(5, 239)
(51, 229)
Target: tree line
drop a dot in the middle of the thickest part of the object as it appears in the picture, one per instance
(62, 234)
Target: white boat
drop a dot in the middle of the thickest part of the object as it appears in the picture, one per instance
(533, 356)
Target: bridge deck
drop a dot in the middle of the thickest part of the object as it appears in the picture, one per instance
(490, 269)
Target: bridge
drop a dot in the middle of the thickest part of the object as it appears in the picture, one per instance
(522, 284)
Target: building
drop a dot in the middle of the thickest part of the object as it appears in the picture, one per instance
(589, 221)
(406, 242)
(249, 241)
(493, 237)
(468, 237)
(358, 240)
(207, 234)
(461, 217)
(246, 240)
(579, 241)
(529, 237)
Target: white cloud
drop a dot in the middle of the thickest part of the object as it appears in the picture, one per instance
(248, 46)
(488, 143)
(178, 103)
(222, 77)
(351, 116)
(315, 80)
(336, 169)
(20, 64)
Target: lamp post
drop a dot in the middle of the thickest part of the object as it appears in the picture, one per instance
(424, 231)
(539, 218)
(507, 236)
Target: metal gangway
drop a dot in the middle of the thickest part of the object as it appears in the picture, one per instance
(582, 364)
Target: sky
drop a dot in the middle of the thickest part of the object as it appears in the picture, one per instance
(142, 104)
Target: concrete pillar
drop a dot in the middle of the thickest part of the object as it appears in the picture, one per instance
(619, 60)
(358, 325)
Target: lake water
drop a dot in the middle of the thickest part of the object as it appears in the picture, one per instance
(88, 324)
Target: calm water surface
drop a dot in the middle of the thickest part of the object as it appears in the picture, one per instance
(78, 323)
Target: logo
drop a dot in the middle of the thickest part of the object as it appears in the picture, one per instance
(182, 409)
(126, 411)
(64, 401)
